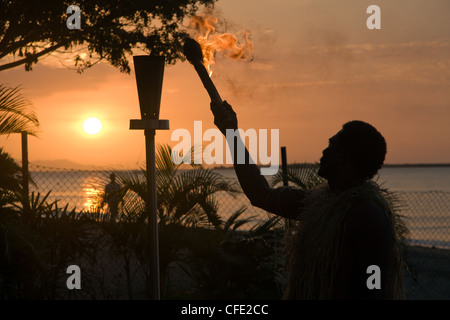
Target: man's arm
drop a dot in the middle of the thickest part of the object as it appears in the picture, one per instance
(283, 201)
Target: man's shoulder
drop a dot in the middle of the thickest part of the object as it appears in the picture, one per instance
(366, 205)
(367, 213)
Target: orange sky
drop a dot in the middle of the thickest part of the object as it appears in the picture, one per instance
(315, 66)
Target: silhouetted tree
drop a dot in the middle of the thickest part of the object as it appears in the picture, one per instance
(109, 30)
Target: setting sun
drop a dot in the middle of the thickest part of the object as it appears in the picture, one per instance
(92, 125)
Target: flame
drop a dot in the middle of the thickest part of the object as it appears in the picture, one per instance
(212, 42)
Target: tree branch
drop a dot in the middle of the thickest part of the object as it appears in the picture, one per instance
(16, 45)
(29, 58)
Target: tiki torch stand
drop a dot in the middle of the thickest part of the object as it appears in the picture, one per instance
(149, 78)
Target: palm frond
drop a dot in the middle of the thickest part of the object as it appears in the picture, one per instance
(16, 112)
(233, 218)
(303, 175)
(133, 181)
(184, 196)
(192, 187)
(264, 227)
(163, 159)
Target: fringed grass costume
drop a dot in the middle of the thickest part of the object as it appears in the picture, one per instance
(317, 245)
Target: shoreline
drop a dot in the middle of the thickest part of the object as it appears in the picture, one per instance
(430, 244)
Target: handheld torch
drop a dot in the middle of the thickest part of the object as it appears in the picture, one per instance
(194, 55)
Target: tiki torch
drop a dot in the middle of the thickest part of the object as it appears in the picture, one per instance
(193, 53)
(149, 72)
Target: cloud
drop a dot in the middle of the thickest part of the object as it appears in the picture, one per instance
(425, 62)
(46, 80)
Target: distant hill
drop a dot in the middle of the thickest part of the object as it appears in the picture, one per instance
(63, 164)
(417, 165)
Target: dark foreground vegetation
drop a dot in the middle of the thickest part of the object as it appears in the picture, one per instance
(202, 255)
(195, 262)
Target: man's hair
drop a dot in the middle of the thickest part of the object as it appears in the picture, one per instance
(366, 147)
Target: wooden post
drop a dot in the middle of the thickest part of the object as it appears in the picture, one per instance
(284, 166)
(287, 222)
(25, 173)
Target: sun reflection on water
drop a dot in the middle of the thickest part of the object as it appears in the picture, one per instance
(92, 193)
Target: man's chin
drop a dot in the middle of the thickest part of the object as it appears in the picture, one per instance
(322, 172)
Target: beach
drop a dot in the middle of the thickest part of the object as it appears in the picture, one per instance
(431, 269)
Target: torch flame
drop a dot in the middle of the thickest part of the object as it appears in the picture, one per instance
(212, 42)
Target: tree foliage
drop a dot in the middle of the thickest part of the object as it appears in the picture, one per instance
(110, 30)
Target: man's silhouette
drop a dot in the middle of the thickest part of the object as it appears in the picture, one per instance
(111, 196)
(345, 226)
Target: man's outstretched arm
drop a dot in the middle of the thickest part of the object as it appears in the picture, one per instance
(282, 201)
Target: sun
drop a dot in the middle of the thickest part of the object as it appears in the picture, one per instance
(92, 125)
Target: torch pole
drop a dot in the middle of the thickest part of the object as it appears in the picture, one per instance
(207, 82)
(152, 214)
(25, 173)
(150, 126)
(149, 72)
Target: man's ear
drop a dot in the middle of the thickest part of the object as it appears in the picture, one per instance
(341, 156)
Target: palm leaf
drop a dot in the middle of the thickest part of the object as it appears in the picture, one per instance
(303, 175)
(16, 114)
(264, 227)
(233, 223)
(184, 196)
(197, 186)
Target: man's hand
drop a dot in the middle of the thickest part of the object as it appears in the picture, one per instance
(224, 116)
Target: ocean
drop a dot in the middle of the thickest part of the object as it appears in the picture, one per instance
(424, 193)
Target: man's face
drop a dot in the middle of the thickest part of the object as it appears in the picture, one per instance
(332, 158)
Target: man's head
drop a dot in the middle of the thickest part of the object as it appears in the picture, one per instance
(358, 146)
